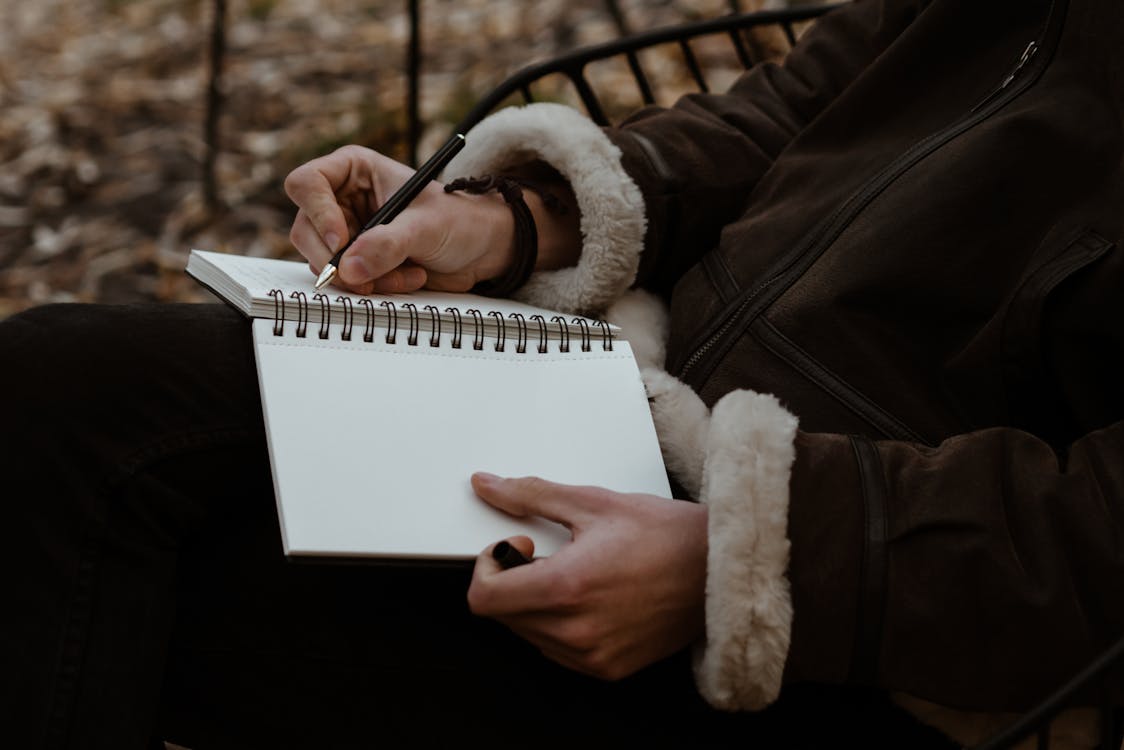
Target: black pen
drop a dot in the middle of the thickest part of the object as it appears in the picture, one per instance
(397, 202)
(508, 556)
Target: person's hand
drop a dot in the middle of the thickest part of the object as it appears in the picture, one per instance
(627, 592)
(441, 241)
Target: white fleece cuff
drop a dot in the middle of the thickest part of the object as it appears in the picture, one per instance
(745, 485)
(611, 205)
(682, 423)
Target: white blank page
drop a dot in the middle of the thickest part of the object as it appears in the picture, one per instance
(372, 444)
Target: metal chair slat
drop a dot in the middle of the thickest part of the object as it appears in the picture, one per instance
(692, 64)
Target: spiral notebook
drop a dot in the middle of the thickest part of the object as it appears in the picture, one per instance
(379, 408)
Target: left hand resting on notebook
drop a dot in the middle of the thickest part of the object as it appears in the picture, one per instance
(627, 592)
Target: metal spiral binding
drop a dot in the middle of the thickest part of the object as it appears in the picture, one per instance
(585, 332)
(278, 311)
(325, 320)
(412, 310)
(606, 335)
(434, 325)
(478, 332)
(369, 324)
(348, 317)
(302, 313)
(521, 340)
(542, 332)
(479, 335)
(501, 334)
(564, 330)
(392, 322)
(456, 326)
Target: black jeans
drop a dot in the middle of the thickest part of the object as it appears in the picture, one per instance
(149, 598)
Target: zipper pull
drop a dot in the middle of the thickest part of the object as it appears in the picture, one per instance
(1027, 55)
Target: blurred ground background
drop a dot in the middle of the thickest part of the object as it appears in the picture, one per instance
(102, 108)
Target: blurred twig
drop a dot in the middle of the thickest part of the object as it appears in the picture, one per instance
(614, 9)
(413, 82)
(214, 104)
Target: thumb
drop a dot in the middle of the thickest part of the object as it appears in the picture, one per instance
(571, 506)
(384, 249)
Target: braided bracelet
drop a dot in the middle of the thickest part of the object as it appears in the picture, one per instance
(526, 235)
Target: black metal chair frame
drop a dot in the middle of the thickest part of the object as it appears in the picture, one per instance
(614, 10)
(573, 65)
(1096, 676)
(1036, 722)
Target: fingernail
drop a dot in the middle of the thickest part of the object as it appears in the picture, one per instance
(354, 269)
(332, 240)
(483, 477)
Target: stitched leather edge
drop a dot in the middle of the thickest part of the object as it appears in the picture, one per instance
(874, 571)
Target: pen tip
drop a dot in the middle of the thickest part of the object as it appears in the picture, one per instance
(326, 276)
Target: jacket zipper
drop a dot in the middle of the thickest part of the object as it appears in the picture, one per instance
(1028, 53)
(795, 263)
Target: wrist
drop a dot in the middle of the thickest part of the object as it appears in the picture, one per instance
(499, 253)
(559, 228)
(518, 258)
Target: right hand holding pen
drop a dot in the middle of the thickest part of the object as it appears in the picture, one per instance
(441, 241)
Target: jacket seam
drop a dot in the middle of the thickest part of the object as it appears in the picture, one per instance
(832, 384)
(72, 646)
(720, 276)
(1078, 250)
(874, 568)
(653, 156)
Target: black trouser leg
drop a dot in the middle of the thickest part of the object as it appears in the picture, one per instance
(148, 595)
(144, 553)
(125, 432)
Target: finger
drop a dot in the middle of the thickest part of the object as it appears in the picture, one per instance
(407, 278)
(493, 561)
(569, 632)
(511, 553)
(402, 280)
(450, 282)
(571, 506)
(312, 187)
(514, 592)
(548, 635)
(564, 658)
(308, 242)
(549, 647)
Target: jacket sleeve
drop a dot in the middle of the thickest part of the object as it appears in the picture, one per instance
(992, 566)
(978, 574)
(655, 192)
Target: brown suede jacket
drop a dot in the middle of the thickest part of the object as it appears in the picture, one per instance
(908, 235)
(909, 232)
